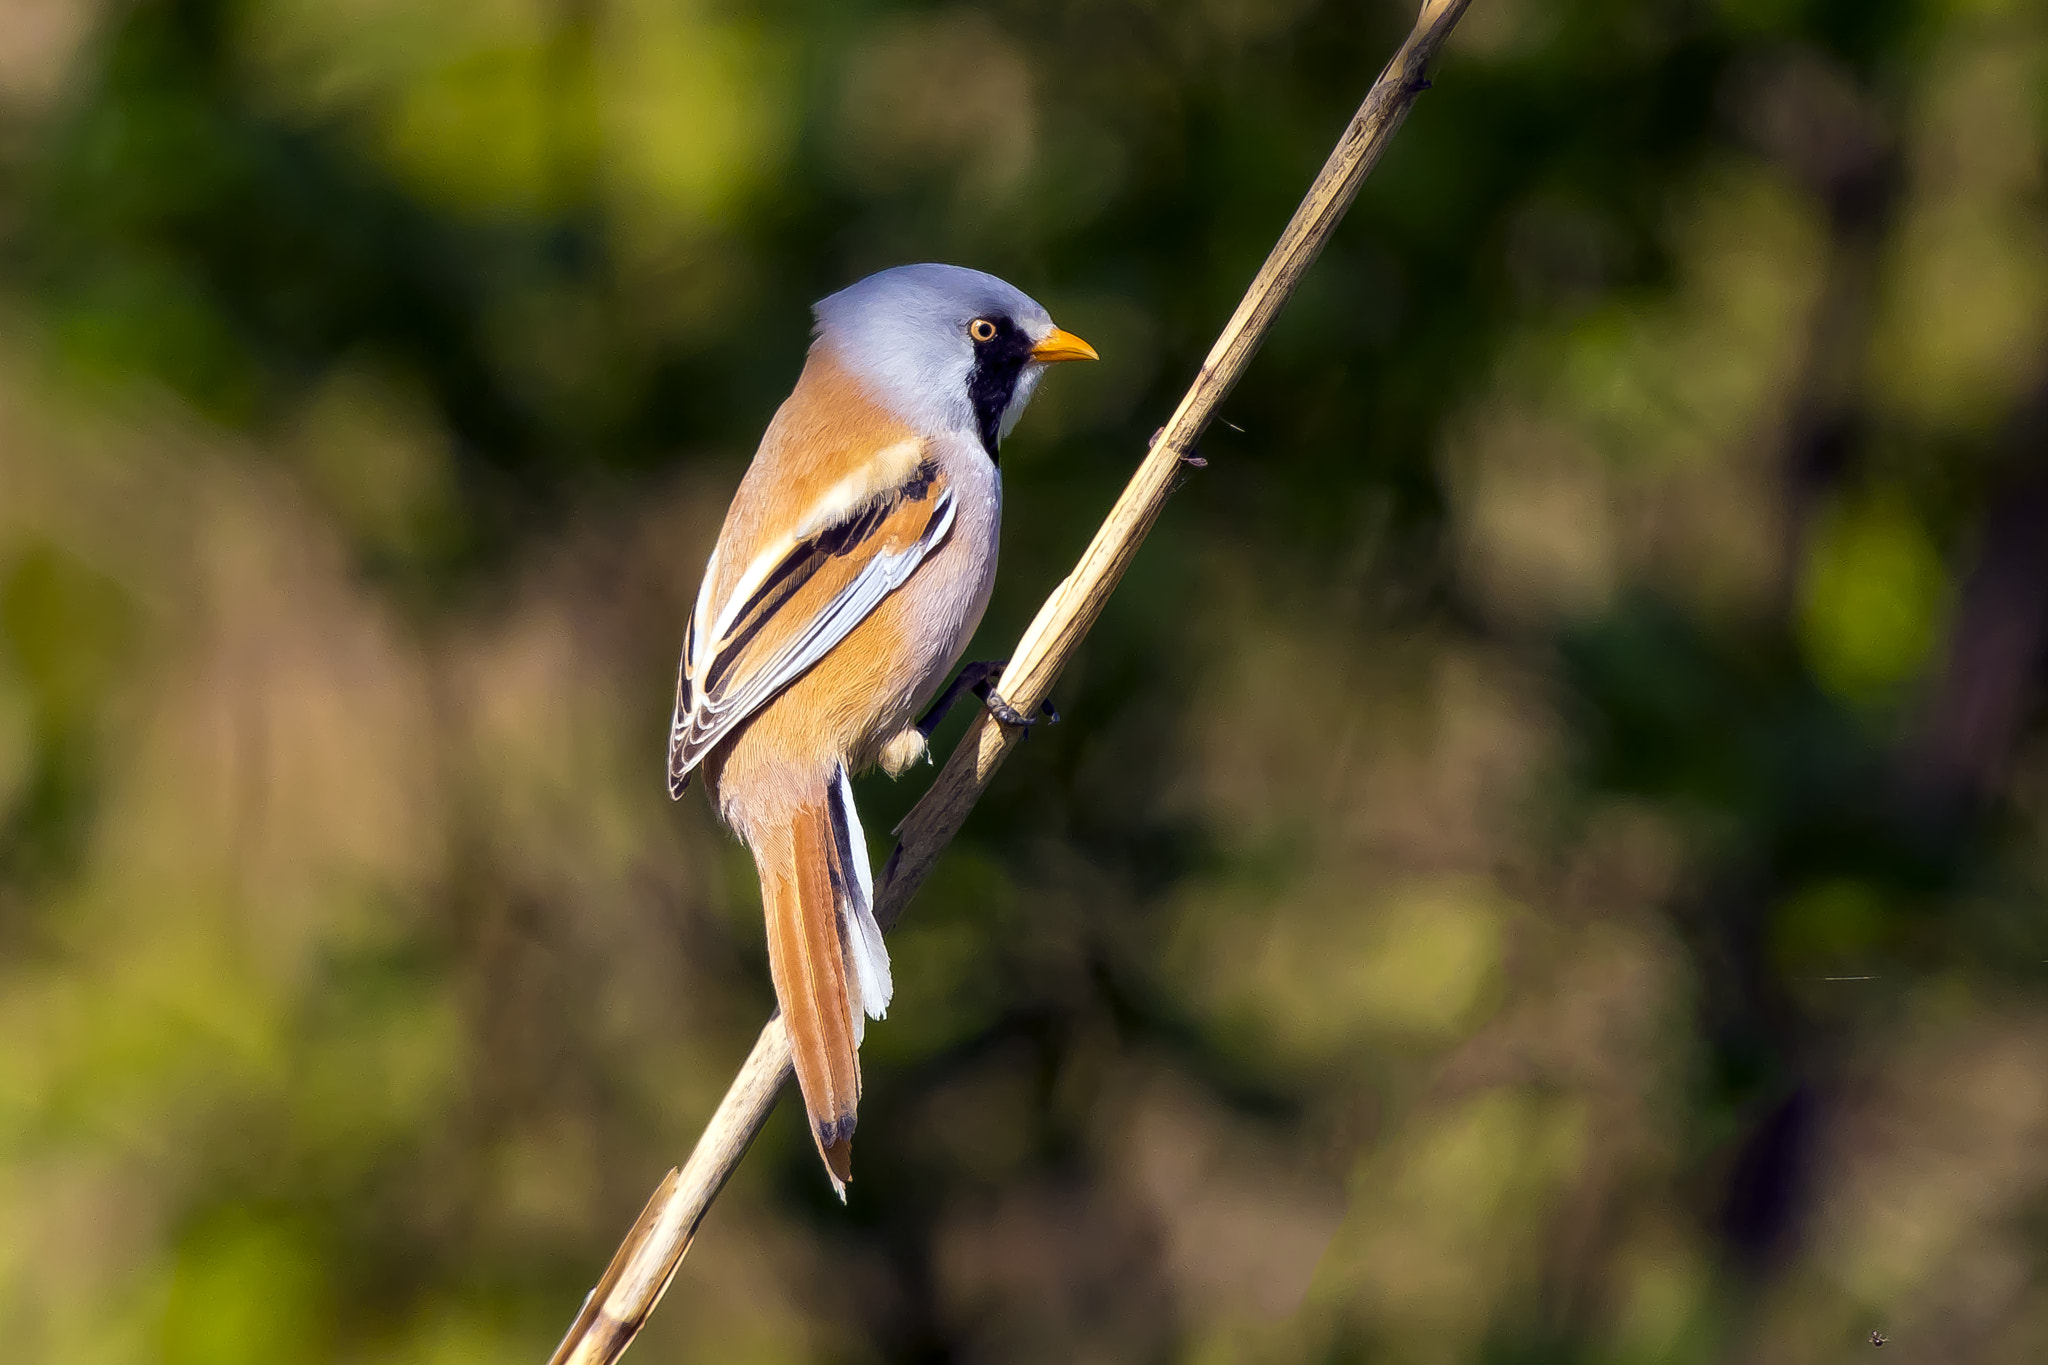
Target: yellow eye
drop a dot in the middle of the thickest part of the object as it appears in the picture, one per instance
(981, 329)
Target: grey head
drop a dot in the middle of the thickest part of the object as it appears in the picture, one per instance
(945, 348)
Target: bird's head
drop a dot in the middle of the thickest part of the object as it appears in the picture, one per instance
(945, 348)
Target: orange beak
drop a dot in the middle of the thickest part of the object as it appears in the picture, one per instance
(1062, 345)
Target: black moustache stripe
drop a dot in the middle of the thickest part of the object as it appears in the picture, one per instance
(998, 363)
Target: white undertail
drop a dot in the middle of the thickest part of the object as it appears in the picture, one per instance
(862, 936)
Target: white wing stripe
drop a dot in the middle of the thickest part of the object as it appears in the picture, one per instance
(702, 612)
(890, 468)
(707, 720)
(736, 602)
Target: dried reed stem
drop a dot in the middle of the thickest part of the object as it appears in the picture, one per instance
(647, 1260)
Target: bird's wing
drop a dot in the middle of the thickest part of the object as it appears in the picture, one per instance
(798, 597)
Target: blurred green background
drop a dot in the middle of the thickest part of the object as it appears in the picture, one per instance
(1545, 857)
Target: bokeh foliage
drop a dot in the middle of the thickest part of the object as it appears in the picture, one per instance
(1545, 858)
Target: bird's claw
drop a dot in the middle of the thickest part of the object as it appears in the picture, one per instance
(1010, 715)
(1006, 713)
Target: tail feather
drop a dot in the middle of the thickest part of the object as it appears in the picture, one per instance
(867, 957)
(807, 958)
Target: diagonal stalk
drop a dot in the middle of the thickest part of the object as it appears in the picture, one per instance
(640, 1272)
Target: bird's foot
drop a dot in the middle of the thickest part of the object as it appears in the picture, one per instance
(1006, 713)
(1010, 715)
(980, 679)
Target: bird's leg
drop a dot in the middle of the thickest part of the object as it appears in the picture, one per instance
(914, 742)
(980, 679)
(976, 678)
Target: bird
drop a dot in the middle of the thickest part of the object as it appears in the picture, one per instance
(852, 567)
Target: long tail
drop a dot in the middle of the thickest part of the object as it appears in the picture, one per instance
(826, 955)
